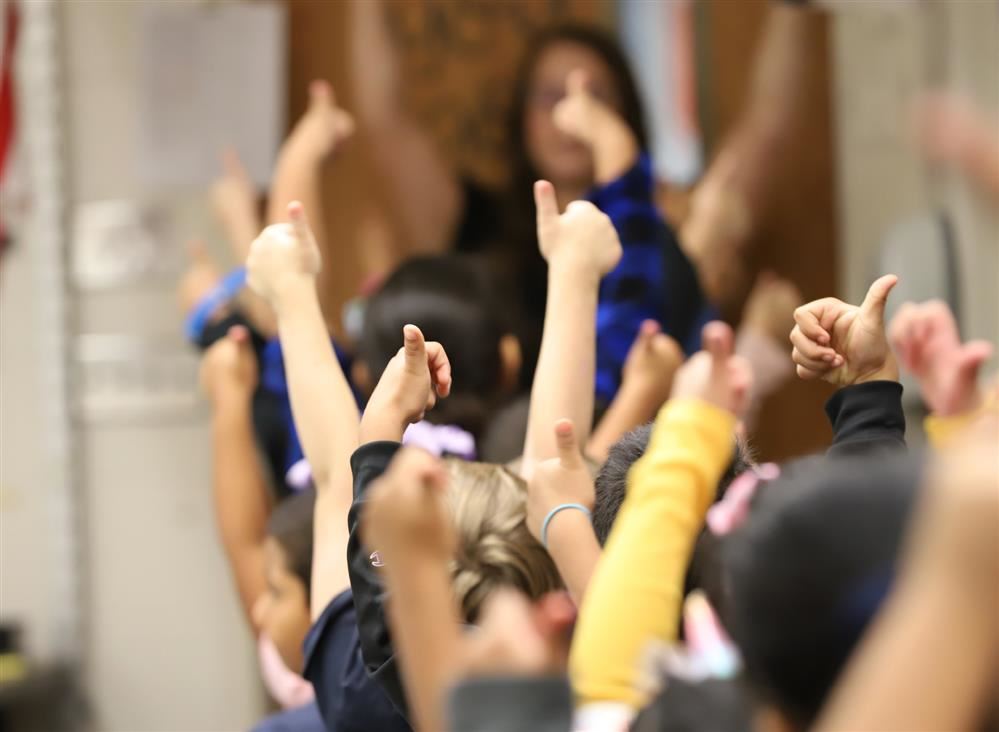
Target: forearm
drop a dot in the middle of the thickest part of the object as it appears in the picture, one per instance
(322, 403)
(242, 503)
(574, 549)
(426, 633)
(669, 492)
(564, 378)
(630, 408)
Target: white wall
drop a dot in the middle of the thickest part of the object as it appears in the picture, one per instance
(165, 644)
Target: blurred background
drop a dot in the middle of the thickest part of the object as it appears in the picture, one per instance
(117, 609)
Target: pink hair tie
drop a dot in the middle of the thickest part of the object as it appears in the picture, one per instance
(731, 511)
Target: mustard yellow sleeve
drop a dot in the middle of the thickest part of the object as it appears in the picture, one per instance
(636, 593)
(941, 431)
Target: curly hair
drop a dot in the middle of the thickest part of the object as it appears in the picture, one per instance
(495, 548)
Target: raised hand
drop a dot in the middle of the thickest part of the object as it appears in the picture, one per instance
(651, 364)
(414, 379)
(407, 509)
(234, 198)
(715, 375)
(771, 305)
(926, 340)
(283, 256)
(845, 344)
(324, 127)
(229, 368)
(559, 480)
(582, 238)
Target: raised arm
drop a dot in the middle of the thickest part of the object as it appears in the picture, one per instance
(426, 192)
(242, 503)
(298, 176)
(669, 492)
(580, 246)
(283, 263)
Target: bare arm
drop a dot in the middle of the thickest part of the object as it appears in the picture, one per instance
(426, 191)
(580, 246)
(282, 265)
(242, 503)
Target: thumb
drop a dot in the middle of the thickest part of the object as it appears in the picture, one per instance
(299, 221)
(239, 335)
(566, 444)
(321, 94)
(717, 340)
(877, 296)
(973, 355)
(577, 83)
(232, 165)
(414, 348)
(544, 201)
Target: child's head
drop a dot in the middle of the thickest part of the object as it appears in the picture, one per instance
(808, 570)
(495, 548)
(283, 612)
(612, 480)
(452, 300)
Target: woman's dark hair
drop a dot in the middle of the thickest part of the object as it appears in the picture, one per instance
(451, 299)
(290, 525)
(809, 569)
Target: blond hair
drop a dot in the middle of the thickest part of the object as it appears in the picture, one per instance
(495, 549)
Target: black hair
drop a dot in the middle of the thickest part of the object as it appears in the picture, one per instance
(451, 298)
(809, 569)
(697, 706)
(611, 482)
(290, 525)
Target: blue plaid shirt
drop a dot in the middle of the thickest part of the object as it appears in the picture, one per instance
(653, 281)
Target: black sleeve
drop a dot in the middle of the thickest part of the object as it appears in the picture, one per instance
(367, 465)
(511, 704)
(867, 418)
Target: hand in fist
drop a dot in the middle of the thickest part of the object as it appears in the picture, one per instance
(926, 339)
(407, 509)
(229, 368)
(582, 238)
(715, 375)
(324, 127)
(562, 479)
(283, 257)
(845, 344)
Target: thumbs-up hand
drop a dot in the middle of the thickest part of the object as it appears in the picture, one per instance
(845, 344)
(414, 379)
(584, 116)
(715, 374)
(562, 479)
(283, 257)
(582, 238)
(324, 127)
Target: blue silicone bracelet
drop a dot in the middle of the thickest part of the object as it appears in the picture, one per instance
(551, 515)
(227, 288)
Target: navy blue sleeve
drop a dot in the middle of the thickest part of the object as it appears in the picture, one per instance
(349, 700)
(653, 281)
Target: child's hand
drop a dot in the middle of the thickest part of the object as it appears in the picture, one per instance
(229, 369)
(715, 375)
(926, 339)
(651, 364)
(407, 510)
(283, 257)
(842, 343)
(324, 127)
(410, 386)
(585, 117)
(770, 307)
(563, 479)
(582, 238)
(516, 638)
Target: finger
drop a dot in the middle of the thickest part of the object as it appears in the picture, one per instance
(806, 374)
(566, 444)
(811, 364)
(232, 165)
(808, 318)
(973, 355)
(238, 334)
(413, 348)
(717, 340)
(321, 93)
(546, 204)
(299, 221)
(648, 329)
(810, 349)
(877, 297)
(666, 348)
(740, 377)
(440, 368)
(577, 82)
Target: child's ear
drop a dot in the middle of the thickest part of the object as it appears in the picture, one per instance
(511, 360)
(360, 375)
